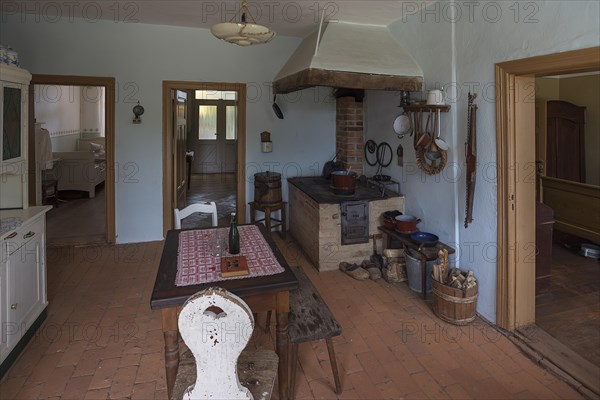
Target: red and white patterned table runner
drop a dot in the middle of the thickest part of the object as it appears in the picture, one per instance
(196, 263)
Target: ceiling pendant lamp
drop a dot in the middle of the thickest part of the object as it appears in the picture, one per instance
(242, 33)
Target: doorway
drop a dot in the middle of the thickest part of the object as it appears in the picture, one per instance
(214, 132)
(516, 157)
(100, 177)
(215, 146)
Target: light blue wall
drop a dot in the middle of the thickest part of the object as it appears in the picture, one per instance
(457, 45)
(540, 27)
(141, 57)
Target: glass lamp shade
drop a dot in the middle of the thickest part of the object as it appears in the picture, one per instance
(242, 34)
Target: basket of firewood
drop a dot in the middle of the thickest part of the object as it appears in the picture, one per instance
(454, 292)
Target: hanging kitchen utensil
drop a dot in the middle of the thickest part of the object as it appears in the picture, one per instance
(276, 108)
(418, 127)
(370, 150)
(471, 155)
(402, 125)
(400, 154)
(425, 138)
(431, 167)
(439, 142)
(433, 152)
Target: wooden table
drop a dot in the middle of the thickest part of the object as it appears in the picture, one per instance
(260, 293)
(426, 253)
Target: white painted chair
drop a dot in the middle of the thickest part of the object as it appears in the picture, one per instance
(216, 326)
(204, 208)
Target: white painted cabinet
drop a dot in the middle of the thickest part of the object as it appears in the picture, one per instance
(14, 117)
(22, 276)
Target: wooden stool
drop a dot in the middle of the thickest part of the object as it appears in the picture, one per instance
(267, 209)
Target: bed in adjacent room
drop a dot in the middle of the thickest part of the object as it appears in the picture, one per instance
(83, 169)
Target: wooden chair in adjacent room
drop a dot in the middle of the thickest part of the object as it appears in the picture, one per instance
(204, 208)
(310, 319)
(216, 326)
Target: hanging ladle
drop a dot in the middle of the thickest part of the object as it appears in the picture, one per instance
(440, 143)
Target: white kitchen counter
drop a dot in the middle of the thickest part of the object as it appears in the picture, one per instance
(23, 214)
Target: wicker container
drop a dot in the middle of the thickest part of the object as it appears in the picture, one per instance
(454, 305)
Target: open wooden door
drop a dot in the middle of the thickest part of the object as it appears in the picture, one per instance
(179, 108)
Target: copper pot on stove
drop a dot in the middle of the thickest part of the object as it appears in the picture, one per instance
(343, 182)
(406, 223)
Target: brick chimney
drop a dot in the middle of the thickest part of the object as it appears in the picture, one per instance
(349, 130)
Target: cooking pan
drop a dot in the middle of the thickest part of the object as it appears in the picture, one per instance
(425, 239)
(276, 108)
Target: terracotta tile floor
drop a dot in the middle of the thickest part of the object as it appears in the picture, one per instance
(102, 341)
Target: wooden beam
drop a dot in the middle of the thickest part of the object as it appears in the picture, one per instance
(352, 80)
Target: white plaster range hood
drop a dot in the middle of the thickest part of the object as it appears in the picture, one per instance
(350, 56)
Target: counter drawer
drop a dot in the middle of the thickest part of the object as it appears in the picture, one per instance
(16, 239)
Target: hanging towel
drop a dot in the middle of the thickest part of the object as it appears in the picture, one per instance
(43, 148)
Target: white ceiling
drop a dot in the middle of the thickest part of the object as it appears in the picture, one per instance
(286, 17)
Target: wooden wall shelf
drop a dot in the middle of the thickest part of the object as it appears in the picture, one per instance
(426, 107)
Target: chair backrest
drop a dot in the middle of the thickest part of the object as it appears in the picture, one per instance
(205, 208)
(216, 326)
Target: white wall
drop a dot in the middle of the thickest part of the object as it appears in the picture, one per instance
(140, 57)
(92, 109)
(59, 108)
(484, 33)
(430, 198)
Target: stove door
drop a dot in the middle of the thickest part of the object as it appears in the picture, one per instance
(355, 222)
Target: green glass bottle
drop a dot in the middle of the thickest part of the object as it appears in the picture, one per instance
(234, 236)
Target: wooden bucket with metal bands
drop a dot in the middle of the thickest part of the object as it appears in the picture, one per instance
(267, 188)
(454, 305)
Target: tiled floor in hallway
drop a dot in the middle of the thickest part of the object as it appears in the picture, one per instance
(102, 341)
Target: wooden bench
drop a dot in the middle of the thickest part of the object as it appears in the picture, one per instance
(310, 319)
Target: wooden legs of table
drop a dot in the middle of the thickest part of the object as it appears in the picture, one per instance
(283, 309)
(171, 336)
(267, 210)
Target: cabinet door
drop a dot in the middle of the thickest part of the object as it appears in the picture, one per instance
(12, 127)
(3, 311)
(24, 298)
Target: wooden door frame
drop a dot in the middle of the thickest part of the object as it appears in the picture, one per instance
(516, 278)
(109, 85)
(168, 86)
